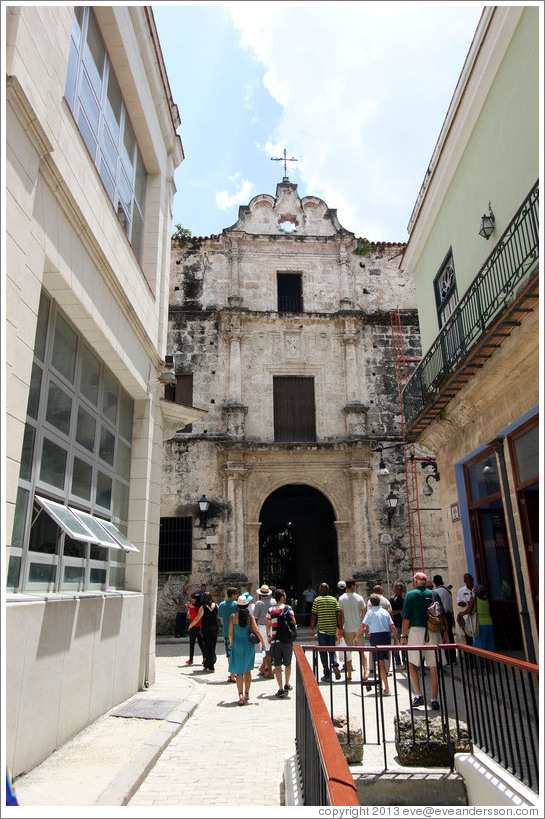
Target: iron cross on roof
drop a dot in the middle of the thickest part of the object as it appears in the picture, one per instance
(284, 159)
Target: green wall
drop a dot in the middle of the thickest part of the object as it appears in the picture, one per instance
(500, 165)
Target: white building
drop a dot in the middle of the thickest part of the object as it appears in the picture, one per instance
(91, 147)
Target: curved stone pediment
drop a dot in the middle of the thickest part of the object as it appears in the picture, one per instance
(287, 214)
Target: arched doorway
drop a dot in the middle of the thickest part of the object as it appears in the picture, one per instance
(298, 541)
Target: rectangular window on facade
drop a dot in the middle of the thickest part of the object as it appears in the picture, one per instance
(290, 292)
(294, 409)
(96, 101)
(181, 393)
(74, 478)
(446, 299)
(175, 545)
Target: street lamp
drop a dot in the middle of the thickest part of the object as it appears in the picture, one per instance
(392, 504)
(204, 505)
(487, 224)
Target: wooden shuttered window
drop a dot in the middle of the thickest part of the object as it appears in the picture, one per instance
(181, 393)
(294, 409)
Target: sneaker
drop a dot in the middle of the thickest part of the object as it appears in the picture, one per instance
(325, 678)
(280, 694)
(288, 687)
(337, 672)
(189, 662)
(418, 701)
(434, 705)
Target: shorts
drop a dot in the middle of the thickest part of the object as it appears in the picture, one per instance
(263, 630)
(381, 638)
(281, 653)
(417, 638)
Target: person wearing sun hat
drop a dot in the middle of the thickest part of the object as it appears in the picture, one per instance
(242, 659)
(260, 613)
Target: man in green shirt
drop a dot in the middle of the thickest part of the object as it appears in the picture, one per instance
(326, 618)
(414, 632)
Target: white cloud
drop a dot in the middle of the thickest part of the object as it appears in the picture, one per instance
(364, 88)
(226, 200)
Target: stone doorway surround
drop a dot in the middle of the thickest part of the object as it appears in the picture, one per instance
(339, 471)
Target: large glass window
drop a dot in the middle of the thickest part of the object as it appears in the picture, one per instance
(175, 543)
(75, 461)
(94, 95)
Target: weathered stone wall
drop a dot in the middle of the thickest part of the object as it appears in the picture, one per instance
(225, 328)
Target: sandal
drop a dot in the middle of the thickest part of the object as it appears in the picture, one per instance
(247, 696)
(240, 699)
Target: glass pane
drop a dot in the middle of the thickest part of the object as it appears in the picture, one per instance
(44, 535)
(90, 375)
(123, 218)
(64, 349)
(87, 135)
(109, 151)
(129, 143)
(71, 75)
(120, 536)
(483, 478)
(53, 465)
(14, 570)
(104, 491)
(41, 327)
(126, 409)
(114, 102)
(59, 408)
(117, 577)
(125, 192)
(34, 391)
(21, 505)
(65, 518)
(74, 548)
(107, 180)
(527, 454)
(121, 501)
(42, 573)
(99, 533)
(140, 180)
(89, 104)
(77, 21)
(123, 461)
(137, 231)
(109, 399)
(28, 453)
(85, 429)
(73, 576)
(99, 553)
(107, 445)
(82, 475)
(97, 577)
(93, 54)
(497, 555)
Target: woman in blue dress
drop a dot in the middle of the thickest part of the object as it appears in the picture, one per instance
(241, 661)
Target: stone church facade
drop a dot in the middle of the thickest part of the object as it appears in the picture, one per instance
(280, 329)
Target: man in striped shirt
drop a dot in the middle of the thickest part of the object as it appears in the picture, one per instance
(326, 618)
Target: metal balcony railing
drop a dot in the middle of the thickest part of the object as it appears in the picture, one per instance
(512, 264)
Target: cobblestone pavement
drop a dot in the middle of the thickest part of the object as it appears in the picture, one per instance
(225, 754)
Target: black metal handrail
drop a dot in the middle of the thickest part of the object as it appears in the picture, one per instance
(491, 702)
(510, 263)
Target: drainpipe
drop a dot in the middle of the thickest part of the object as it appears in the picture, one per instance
(497, 443)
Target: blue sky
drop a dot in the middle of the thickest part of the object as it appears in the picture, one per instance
(356, 91)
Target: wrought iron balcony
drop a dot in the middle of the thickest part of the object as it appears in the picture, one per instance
(505, 288)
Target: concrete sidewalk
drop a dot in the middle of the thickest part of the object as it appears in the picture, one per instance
(137, 753)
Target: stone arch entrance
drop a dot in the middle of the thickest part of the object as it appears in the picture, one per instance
(298, 541)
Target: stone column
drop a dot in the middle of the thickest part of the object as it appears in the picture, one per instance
(345, 299)
(362, 554)
(234, 298)
(356, 412)
(235, 474)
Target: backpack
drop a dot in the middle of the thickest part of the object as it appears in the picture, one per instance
(286, 630)
(436, 617)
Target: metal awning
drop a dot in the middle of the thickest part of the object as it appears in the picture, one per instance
(86, 527)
